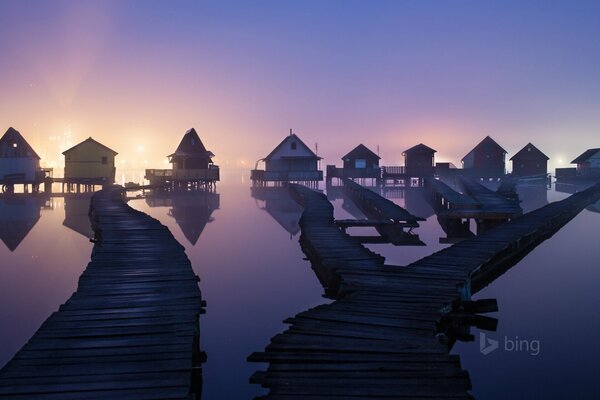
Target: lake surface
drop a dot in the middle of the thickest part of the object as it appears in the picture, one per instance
(243, 243)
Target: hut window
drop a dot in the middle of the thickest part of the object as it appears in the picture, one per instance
(15, 145)
(360, 163)
(294, 145)
(104, 160)
(193, 141)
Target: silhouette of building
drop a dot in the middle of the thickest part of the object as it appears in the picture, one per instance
(486, 160)
(419, 161)
(192, 164)
(19, 163)
(529, 161)
(588, 163)
(90, 161)
(290, 161)
(360, 162)
(18, 215)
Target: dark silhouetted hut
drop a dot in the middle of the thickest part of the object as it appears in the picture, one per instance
(361, 157)
(191, 153)
(90, 162)
(18, 161)
(290, 161)
(193, 211)
(588, 163)
(419, 161)
(487, 159)
(529, 161)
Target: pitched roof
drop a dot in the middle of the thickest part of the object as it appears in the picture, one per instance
(420, 148)
(13, 135)
(485, 144)
(361, 151)
(529, 151)
(585, 156)
(292, 136)
(90, 140)
(191, 145)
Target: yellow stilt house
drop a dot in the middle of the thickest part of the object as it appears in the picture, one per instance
(90, 162)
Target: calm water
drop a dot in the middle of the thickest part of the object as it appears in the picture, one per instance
(243, 243)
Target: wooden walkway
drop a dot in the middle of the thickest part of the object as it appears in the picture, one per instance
(130, 331)
(389, 332)
(493, 203)
(378, 207)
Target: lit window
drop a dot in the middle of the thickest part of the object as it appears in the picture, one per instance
(15, 145)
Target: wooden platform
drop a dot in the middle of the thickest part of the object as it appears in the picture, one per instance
(492, 203)
(389, 331)
(130, 331)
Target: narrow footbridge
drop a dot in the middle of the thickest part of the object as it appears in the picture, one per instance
(130, 331)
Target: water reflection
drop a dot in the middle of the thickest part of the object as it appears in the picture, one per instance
(77, 207)
(192, 210)
(18, 215)
(280, 205)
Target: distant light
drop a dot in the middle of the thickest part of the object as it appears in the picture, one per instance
(140, 148)
(560, 161)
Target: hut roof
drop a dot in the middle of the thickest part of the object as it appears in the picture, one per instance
(585, 156)
(486, 144)
(420, 148)
(361, 151)
(293, 136)
(90, 140)
(191, 145)
(529, 151)
(13, 136)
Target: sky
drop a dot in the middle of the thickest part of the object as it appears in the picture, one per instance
(135, 75)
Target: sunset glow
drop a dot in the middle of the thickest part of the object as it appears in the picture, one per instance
(137, 76)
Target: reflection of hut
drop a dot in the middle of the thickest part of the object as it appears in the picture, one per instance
(192, 211)
(290, 161)
(77, 208)
(487, 159)
(532, 196)
(529, 161)
(416, 203)
(19, 163)
(280, 205)
(419, 161)
(594, 207)
(18, 215)
(90, 162)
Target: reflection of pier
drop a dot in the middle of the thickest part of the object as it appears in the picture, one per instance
(18, 215)
(131, 328)
(77, 210)
(280, 205)
(389, 332)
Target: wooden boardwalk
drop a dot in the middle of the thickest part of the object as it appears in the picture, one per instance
(389, 332)
(130, 331)
(493, 203)
(378, 207)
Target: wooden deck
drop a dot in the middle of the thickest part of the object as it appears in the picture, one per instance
(130, 331)
(378, 207)
(389, 331)
(493, 203)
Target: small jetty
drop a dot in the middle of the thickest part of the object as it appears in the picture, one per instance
(130, 331)
(390, 329)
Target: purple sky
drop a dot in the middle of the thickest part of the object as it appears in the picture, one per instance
(136, 74)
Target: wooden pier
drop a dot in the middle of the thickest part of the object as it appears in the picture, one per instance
(389, 332)
(130, 331)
